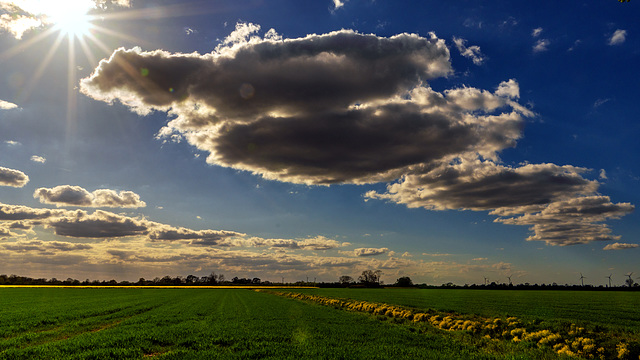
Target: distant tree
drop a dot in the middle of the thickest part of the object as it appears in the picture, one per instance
(191, 279)
(256, 280)
(370, 277)
(221, 278)
(346, 279)
(404, 281)
(212, 279)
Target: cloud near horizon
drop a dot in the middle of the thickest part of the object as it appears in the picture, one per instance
(68, 195)
(351, 108)
(115, 241)
(620, 246)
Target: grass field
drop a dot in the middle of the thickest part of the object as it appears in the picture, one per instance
(93, 323)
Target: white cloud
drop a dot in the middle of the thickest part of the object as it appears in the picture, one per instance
(603, 174)
(509, 89)
(536, 32)
(600, 102)
(68, 195)
(38, 159)
(11, 177)
(618, 37)
(620, 246)
(471, 52)
(12, 143)
(541, 45)
(5, 105)
(337, 4)
(575, 44)
(370, 251)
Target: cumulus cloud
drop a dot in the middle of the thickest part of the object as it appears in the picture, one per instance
(475, 184)
(100, 224)
(19, 212)
(618, 37)
(19, 16)
(11, 177)
(556, 201)
(341, 107)
(620, 246)
(68, 195)
(569, 222)
(370, 251)
(5, 105)
(38, 159)
(541, 45)
(195, 237)
(471, 52)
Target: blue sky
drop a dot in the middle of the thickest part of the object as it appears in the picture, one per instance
(445, 141)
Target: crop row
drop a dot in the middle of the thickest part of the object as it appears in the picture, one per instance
(574, 341)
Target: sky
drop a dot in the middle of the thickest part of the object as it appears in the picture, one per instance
(444, 141)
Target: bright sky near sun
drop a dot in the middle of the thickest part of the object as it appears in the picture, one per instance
(445, 141)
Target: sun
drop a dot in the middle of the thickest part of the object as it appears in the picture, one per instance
(72, 19)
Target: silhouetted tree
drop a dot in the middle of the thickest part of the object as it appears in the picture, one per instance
(370, 277)
(629, 282)
(404, 281)
(345, 279)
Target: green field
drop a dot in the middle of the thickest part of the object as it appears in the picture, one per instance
(74, 323)
(616, 310)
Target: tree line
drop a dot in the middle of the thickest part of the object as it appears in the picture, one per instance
(368, 279)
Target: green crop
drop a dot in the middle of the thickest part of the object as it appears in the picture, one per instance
(45, 323)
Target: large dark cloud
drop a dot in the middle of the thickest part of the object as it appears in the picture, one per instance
(341, 107)
(68, 195)
(11, 177)
(316, 72)
(357, 146)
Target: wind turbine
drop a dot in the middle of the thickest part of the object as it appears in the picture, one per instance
(582, 279)
(509, 277)
(609, 280)
(630, 281)
(485, 281)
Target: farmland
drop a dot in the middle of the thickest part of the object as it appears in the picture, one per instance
(93, 323)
